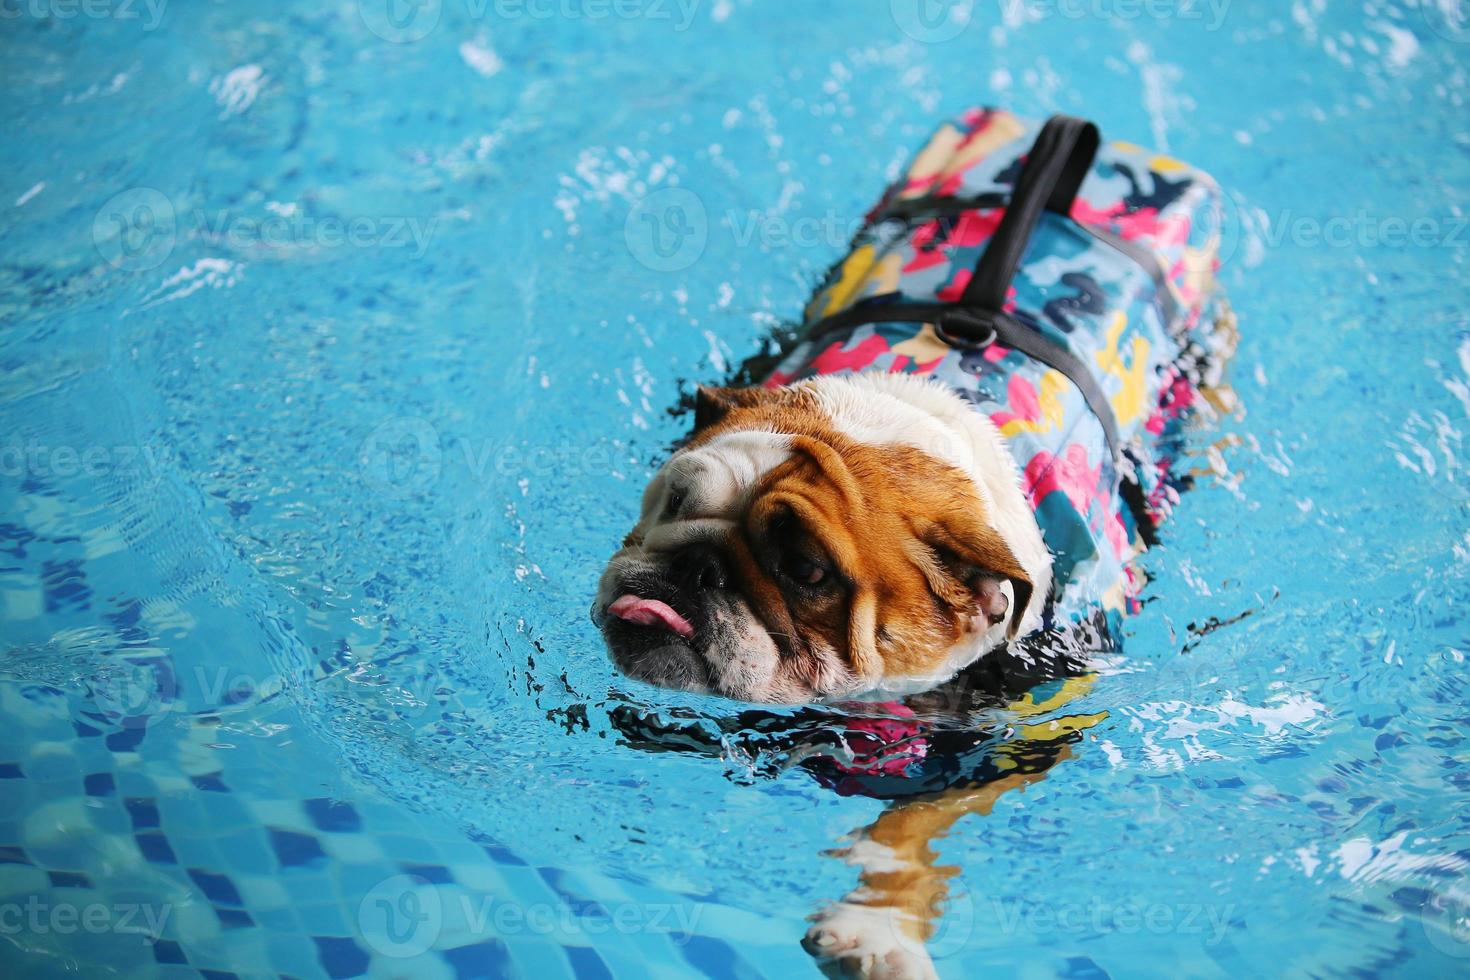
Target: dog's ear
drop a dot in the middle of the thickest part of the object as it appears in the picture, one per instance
(712, 404)
(972, 551)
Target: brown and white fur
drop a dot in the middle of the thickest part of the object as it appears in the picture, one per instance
(845, 537)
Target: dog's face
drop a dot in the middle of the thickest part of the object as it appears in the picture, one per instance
(793, 552)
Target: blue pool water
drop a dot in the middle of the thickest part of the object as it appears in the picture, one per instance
(337, 346)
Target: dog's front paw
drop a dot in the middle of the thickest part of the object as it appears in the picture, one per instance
(867, 942)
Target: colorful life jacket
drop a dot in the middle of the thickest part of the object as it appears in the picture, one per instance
(1067, 291)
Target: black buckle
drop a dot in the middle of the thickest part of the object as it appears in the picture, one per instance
(968, 329)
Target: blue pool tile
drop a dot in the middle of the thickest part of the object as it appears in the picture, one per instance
(211, 783)
(10, 854)
(488, 960)
(279, 921)
(501, 855)
(333, 816)
(126, 739)
(587, 964)
(155, 848)
(293, 849)
(99, 784)
(144, 812)
(433, 873)
(497, 852)
(408, 849)
(316, 914)
(69, 879)
(243, 850)
(65, 585)
(1411, 898)
(218, 975)
(233, 918)
(11, 770)
(340, 957)
(715, 958)
(223, 811)
(168, 951)
(1083, 968)
(217, 888)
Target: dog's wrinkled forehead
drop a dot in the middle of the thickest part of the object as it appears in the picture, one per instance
(703, 488)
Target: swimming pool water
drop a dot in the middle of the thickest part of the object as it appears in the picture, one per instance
(339, 339)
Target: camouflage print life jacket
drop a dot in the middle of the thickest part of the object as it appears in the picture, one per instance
(1067, 291)
(1064, 289)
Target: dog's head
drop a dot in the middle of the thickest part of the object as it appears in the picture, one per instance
(836, 537)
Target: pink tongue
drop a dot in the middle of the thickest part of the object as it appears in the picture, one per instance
(649, 612)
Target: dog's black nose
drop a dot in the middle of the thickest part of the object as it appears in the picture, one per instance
(700, 567)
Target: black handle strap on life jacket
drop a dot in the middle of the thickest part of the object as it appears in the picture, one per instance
(1055, 167)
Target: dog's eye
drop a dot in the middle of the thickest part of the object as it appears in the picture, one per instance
(676, 500)
(803, 569)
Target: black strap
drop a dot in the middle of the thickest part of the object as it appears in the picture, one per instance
(953, 323)
(1054, 169)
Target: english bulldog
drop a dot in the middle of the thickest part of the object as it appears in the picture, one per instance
(958, 456)
(858, 536)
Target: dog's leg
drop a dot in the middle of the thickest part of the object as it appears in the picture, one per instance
(880, 928)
